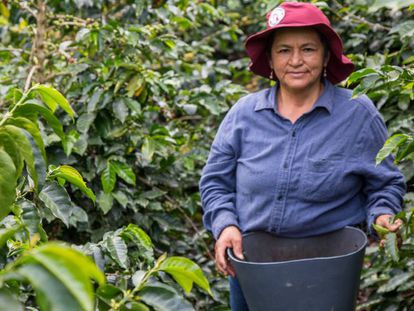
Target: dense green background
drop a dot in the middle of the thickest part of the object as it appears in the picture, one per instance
(149, 82)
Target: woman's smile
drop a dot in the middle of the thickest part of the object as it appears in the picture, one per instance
(297, 58)
(297, 74)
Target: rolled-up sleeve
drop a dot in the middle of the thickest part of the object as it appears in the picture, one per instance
(384, 184)
(218, 180)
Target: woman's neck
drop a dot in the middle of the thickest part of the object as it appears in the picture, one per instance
(293, 103)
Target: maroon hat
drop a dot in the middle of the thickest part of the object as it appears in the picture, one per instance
(298, 14)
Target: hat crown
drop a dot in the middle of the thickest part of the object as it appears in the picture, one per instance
(296, 14)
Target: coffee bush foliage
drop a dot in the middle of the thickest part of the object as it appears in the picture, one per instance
(108, 111)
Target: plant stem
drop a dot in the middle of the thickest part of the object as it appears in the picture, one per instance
(141, 285)
(10, 113)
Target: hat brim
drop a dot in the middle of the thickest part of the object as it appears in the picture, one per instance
(339, 67)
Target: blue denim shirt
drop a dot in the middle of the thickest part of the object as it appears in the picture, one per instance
(311, 177)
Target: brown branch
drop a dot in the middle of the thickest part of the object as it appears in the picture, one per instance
(57, 74)
(38, 55)
(177, 206)
(71, 24)
(14, 50)
(23, 5)
(68, 20)
(358, 18)
(29, 78)
(73, 18)
(187, 118)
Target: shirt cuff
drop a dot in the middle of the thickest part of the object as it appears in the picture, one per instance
(374, 213)
(223, 220)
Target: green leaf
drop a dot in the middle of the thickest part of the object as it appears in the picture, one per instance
(53, 98)
(82, 34)
(8, 181)
(404, 29)
(14, 95)
(357, 75)
(380, 230)
(211, 104)
(117, 249)
(391, 246)
(108, 292)
(93, 102)
(152, 194)
(9, 301)
(8, 142)
(182, 22)
(148, 149)
(105, 202)
(371, 303)
(138, 277)
(108, 177)
(164, 298)
(134, 306)
(135, 86)
(403, 152)
(394, 5)
(69, 268)
(390, 145)
(394, 282)
(78, 215)
(85, 121)
(121, 198)
(366, 84)
(73, 268)
(133, 105)
(39, 171)
(185, 272)
(70, 142)
(120, 110)
(31, 218)
(51, 294)
(124, 172)
(140, 238)
(57, 200)
(33, 130)
(71, 175)
(7, 233)
(31, 154)
(32, 108)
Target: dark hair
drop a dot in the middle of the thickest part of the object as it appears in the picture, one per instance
(321, 37)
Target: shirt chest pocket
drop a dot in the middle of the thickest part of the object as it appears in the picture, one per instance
(321, 180)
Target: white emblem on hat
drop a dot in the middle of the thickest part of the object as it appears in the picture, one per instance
(276, 16)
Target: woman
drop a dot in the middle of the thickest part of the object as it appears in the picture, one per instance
(297, 159)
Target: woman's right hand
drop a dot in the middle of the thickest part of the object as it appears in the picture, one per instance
(230, 237)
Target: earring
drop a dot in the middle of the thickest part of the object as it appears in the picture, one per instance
(271, 74)
(325, 74)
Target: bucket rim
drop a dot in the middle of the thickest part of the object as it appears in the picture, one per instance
(363, 245)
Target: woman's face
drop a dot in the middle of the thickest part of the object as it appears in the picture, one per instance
(297, 58)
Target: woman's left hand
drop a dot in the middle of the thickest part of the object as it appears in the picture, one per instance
(385, 221)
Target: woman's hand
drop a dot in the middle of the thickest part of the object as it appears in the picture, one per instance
(385, 221)
(230, 237)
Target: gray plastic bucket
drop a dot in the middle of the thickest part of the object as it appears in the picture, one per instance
(319, 273)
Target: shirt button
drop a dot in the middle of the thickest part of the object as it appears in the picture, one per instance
(293, 133)
(280, 197)
(285, 165)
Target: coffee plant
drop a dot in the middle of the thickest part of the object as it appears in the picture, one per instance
(108, 110)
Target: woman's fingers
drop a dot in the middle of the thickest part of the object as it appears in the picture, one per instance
(230, 237)
(385, 221)
(231, 270)
(221, 261)
(237, 247)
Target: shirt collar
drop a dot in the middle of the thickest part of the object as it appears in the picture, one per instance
(324, 100)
